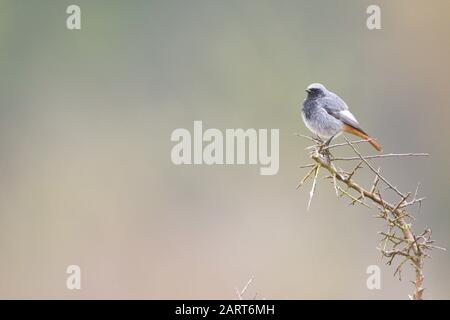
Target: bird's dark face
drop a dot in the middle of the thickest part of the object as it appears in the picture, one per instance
(315, 90)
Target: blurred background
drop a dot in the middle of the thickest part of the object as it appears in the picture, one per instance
(85, 122)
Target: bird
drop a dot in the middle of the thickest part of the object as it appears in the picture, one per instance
(327, 115)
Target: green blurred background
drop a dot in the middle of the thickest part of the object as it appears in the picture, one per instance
(85, 123)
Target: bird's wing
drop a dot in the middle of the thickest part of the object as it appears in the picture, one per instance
(337, 108)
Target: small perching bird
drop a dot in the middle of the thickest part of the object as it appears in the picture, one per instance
(327, 115)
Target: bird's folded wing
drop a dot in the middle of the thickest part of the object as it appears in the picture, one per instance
(346, 117)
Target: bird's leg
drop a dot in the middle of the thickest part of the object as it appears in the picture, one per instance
(323, 147)
(327, 143)
(318, 139)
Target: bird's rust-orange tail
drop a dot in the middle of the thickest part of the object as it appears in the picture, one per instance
(359, 133)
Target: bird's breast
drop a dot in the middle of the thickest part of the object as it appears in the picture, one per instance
(309, 106)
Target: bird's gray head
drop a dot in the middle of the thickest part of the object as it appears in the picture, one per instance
(316, 90)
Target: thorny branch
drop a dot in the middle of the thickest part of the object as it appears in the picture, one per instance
(398, 241)
(240, 293)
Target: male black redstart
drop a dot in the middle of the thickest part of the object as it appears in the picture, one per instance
(327, 115)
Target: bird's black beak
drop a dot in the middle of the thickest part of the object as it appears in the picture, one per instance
(307, 90)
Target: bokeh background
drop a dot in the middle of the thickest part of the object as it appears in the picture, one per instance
(85, 123)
